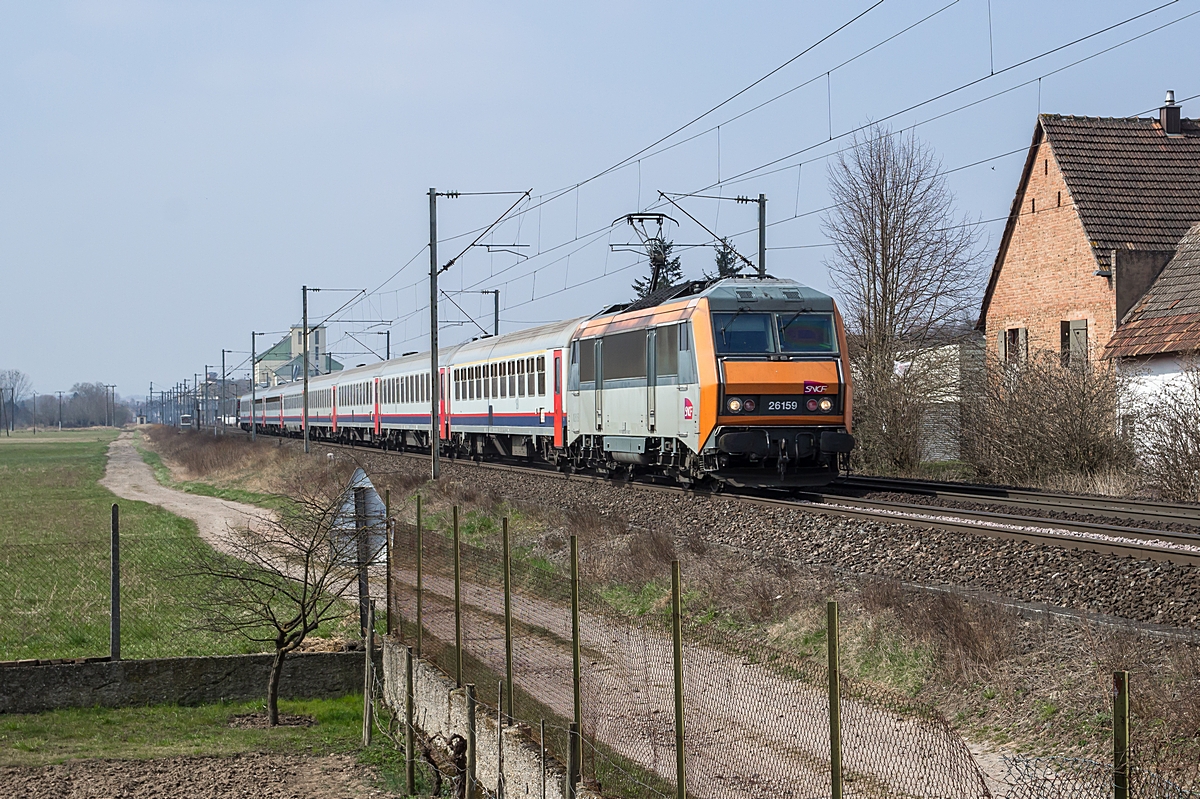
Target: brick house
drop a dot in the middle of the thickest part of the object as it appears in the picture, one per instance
(1100, 210)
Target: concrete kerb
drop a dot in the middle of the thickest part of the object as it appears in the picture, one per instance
(441, 712)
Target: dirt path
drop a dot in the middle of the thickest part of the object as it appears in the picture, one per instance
(750, 731)
(241, 776)
(129, 477)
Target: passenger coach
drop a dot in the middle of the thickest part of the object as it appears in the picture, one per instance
(739, 381)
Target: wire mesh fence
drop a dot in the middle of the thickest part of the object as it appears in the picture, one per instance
(756, 718)
(62, 599)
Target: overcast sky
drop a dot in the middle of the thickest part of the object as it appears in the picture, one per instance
(172, 173)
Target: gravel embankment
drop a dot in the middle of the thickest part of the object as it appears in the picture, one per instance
(1140, 590)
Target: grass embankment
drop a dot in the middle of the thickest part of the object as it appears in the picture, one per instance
(169, 731)
(163, 474)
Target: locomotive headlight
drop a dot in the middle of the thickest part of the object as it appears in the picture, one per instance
(734, 405)
(811, 404)
(826, 404)
(749, 406)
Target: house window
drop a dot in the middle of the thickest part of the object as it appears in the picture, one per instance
(1073, 342)
(1014, 345)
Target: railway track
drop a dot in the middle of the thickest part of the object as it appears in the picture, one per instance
(1132, 509)
(1140, 542)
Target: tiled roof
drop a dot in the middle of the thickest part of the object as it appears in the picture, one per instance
(1135, 187)
(1167, 318)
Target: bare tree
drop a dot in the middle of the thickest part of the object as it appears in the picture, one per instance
(277, 580)
(1039, 420)
(907, 269)
(1168, 435)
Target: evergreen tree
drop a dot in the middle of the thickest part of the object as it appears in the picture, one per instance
(728, 264)
(670, 272)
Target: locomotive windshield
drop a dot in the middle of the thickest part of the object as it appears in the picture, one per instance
(744, 333)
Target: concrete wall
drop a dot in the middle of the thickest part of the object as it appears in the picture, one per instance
(440, 709)
(177, 681)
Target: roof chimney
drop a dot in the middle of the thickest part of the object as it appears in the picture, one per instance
(1168, 116)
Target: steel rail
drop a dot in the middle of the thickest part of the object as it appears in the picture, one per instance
(1141, 510)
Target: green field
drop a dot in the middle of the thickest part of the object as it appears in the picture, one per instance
(54, 559)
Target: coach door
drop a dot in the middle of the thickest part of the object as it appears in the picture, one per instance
(651, 379)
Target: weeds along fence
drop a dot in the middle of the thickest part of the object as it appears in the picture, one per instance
(756, 721)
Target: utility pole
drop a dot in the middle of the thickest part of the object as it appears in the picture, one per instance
(495, 309)
(253, 382)
(204, 395)
(388, 344)
(304, 302)
(762, 236)
(59, 393)
(224, 398)
(434, 433)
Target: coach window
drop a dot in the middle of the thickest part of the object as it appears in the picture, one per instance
(520, 377)
(666, 351)
(623, 356)
(541, 375)
(530, 376)
(472, 387)
(503, 378)
(587, 360)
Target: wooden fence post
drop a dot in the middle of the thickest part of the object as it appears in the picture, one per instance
(410, 738)
(420, 620)
(677, 649)
(577, 737)
(835, 703)
(1121, 735)
(114, 624)
(368, 674)
(508, 675)
(387, 552)
(458, 641)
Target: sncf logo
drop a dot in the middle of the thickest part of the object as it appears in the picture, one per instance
(815, 388)
(688, 410)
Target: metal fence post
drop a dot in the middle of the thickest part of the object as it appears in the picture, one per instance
(410, 743)
(677, 642)
(420, 620)
(368, 674)
(573, 760)
(1121, 735)
(387, 557)
(577, 737)
(508, 676)
(835, 703)
(470, 779)
(114, 627)
(458, 642)
(500, 740)
(542, 741)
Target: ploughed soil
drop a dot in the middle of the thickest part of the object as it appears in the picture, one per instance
(265, 776)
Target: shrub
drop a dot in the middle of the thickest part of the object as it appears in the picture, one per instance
(1039, 420)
